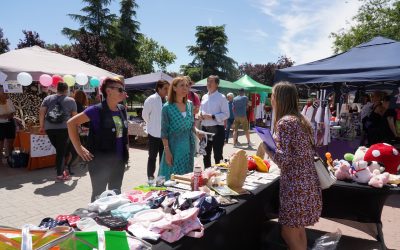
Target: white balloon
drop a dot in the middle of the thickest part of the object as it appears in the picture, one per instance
(81, 79)
(25, 79)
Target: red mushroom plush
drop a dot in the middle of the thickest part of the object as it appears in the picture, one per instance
(386, 154)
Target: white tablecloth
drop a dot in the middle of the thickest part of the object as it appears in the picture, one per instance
(41, 146)
(137, 129)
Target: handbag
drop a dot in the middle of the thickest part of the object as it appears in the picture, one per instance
(326, 178)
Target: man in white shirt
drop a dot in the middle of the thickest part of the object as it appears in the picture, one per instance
(152, 116)
(214, 110)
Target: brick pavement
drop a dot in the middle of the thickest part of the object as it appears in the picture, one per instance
(30, 196)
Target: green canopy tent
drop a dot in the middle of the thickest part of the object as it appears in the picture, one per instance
(223, 84)
(251, 85)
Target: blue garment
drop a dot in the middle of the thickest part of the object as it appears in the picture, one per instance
(240, 106)
(231, 110)
(179, 132)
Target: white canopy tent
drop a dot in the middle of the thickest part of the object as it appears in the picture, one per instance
(37, 61)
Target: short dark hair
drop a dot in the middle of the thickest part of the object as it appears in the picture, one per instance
(107, 82)
(215, 77)
(160, 84)
(62, 87)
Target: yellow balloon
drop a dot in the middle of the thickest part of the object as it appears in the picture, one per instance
(69, 80)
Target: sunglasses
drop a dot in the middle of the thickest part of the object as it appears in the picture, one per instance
(120, 90)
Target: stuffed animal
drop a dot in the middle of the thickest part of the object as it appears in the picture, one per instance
(394, 179)
(372, 165)
(342, 171)
(251, 163)
(348, 157)
(378, 180)
(360, 172)
(386, 154)
(359, 154)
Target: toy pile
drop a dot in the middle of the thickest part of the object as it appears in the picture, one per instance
(376, 166)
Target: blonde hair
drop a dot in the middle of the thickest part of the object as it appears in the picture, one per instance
(171, 91)
(287, 103)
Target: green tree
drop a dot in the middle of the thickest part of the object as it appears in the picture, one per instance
(265, 73)
(151, 53)
(32, 38)
(127, 43)
(374, 18)
(97, 20)
(210, 53)
(4, 43)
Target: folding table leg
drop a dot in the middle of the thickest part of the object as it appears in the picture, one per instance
(379, 237)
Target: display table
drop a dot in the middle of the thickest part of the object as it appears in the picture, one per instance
(23, 141)
(137, 129)
(239, 228)
(358, 203)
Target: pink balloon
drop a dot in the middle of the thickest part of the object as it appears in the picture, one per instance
(56, 79)
(45, 80)
(102, 79)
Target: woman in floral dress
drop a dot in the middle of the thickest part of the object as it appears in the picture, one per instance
(177, 131)
(300, 192)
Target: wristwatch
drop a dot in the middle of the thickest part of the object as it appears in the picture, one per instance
(213, 117)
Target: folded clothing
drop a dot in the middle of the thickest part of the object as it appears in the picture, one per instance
(49, 223)
(113, 223)
(128, 210)
(83, 213)
(88, 224)
(72, 219)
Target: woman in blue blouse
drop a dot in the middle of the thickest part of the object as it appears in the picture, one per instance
(177, 131)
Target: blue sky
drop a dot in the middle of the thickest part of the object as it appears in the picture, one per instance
(259, 31)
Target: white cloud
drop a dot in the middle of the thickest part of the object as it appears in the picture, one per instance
(306, 25)
(256, 35)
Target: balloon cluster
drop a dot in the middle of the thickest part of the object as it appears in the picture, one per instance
(25, 79)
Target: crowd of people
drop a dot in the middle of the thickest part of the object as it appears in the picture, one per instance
(175, 116)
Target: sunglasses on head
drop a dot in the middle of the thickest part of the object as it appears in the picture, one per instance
(120, 90)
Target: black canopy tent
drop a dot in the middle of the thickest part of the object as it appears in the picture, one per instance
(146, 82)
(371, 65)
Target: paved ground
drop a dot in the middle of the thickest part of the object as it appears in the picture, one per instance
(29, 196)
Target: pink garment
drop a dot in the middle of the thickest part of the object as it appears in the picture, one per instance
(173, 227)
(137, 196)
(193, 97)
(72, 219)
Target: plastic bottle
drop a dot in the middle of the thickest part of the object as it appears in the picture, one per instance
(197, 178)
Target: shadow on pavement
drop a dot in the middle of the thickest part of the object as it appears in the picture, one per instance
(393, 201)
(271, 239)
(13, 179)
(57, 188)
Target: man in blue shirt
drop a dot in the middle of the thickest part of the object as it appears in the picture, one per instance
(214, 110)
(240, 103)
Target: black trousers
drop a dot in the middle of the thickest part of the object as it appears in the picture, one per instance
(156, 147)
(59, 139)
(105, 171)
(216, 144)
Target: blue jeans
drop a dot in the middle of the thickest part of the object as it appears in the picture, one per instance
(228, 128)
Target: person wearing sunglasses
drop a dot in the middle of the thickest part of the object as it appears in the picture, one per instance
(107, 151)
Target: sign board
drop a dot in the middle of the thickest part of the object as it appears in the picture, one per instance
(12, 87)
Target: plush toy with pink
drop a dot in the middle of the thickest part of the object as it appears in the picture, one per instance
(386, 154)
(368, 165)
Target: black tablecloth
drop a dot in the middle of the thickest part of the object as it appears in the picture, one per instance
(239, 228)
(356, 202)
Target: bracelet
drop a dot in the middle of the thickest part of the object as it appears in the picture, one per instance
(166, 147)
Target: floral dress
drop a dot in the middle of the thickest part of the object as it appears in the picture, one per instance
(300, 193)
(178, 129)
